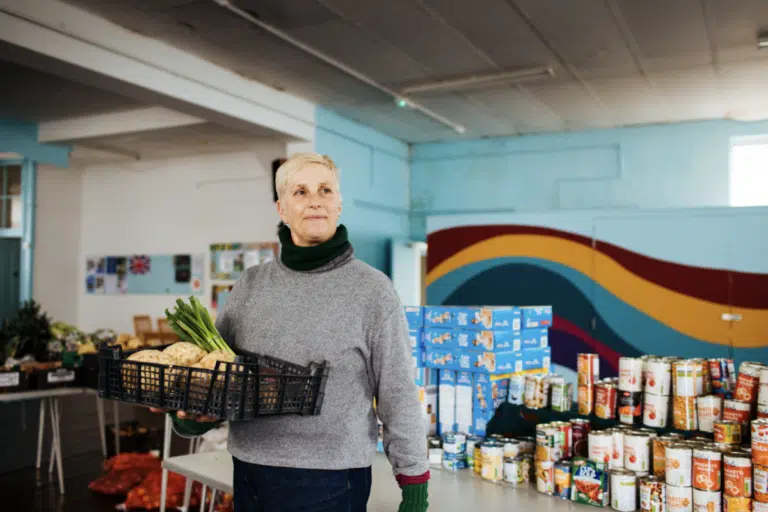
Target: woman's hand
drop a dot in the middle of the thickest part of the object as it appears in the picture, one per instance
(185, 415)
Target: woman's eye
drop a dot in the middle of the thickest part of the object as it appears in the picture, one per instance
(298, 192)
(327, 190)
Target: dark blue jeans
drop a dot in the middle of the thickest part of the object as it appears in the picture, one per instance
(272, 489)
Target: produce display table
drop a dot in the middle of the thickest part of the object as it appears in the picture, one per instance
(49, 400)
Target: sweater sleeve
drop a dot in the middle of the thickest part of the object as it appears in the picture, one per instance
(397, 402)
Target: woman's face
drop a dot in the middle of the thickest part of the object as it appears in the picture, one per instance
(311, 205)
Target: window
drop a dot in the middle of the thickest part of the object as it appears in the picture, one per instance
(749, 174)
(10, 197)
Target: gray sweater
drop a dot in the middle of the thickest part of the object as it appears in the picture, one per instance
(349, 314)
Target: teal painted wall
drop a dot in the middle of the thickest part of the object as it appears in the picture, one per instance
(654, 166)
(20, 137)
(375, 184)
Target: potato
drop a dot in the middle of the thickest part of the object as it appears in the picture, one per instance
(209, 363)
(150, 376)
(184, 353)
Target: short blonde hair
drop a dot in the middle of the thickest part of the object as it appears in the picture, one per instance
(296, 163)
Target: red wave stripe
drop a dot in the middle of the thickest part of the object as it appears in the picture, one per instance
(748, 290)
(607, 354)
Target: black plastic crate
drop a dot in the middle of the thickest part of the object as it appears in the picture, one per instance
(52, 378)
(12, 381)
(252, 386)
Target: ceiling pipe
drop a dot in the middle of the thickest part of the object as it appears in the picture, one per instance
(398, 97)
(468, 82)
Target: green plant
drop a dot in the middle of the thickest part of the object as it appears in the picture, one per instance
(30, 331)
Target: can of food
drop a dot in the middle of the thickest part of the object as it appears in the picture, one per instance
(630, 407)
(545, 476)
(760, 483)
(762, 411)
(699, 376)
(630, 374)
(435, 451)
(652, 433)
(530, 397)
(659, 447)
(727, 432)
(605, 400)
(516, 389)
(679, 499)
(738, 412)
(748, 382)
(617, 456)
(655, 410)
(562, 396)
(637, 448)
(493, 461)
(527, 445)
(526, 467)
(706, 501)
(707, 376)
(653, 494)
(600, 446)
(580, 429)
(736, 504)
(478, 457)
(586, 400)
(759, 507)
(760, 442)
(546, 446)
(684, 413)
(511, 448)
(623, 486)
(707, 464)
(678, 465)
(471, 446)
(565, 440)
(563, 479)
(588, 368)
(709, 410)
(512, 473)
(737, 475)
(676, 435)
(762, 393)
(658, 377)
(684, 377)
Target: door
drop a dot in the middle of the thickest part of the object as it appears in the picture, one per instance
(408, 271)
(10, 252)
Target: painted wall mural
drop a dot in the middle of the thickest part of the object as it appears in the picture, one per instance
(607, 298)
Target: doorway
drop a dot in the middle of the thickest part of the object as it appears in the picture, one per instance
(10, 268)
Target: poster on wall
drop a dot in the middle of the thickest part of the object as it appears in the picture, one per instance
(171, 274)
(229, 261)
(219, 295)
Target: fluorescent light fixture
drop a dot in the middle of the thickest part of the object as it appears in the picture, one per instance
(505, 77)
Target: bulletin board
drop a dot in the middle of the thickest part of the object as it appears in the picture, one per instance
(219, 295)
(229, 261)
(162, 274)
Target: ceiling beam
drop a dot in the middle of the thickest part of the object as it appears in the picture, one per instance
(117, 123)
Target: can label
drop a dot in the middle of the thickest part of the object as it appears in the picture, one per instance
(679, 499)
(760, 483)
(630, 374)
(659, 446)
(512, 472)
(737, 476)
(684, 378)
(563, 480)
(760, 442)
(706, 501)
(684, 413)
(630, 407)
(706, 469)
(653, 495)
(655, 410)
(727, 432)
(623, 489)
(600, 447)
(762, 393)
(580, 432)
(605, 400)
(545, 477)
(617, 457)
(493, 462)
(748, 382)
(637, 452)
(710, 410)
(738, 412)
(678, 466)
(562, 396)
(588, 368)
(658, 377)
(736, 504)
(759, 507)
(516, 389)
(586, 400)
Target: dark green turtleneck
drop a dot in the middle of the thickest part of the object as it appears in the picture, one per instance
(316, 256)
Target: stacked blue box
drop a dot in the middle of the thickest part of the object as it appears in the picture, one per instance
(415, 317)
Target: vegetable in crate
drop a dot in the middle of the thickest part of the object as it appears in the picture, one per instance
(150, 375)
(191, 322)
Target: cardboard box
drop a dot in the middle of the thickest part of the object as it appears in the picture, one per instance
(480, 419)
(537, 316)
(447, 359)
(488, 318)
(464, 402)
(489, 393)
(417, 337)
(488, 362)
(415, 316)
(439, 316)
(446, 403)
(440, 338)
(535, 338)
(419, 357)
(488, 341)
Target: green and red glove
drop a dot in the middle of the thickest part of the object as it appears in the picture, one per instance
(414, 491)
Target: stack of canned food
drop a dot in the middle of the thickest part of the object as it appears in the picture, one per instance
(543, 391)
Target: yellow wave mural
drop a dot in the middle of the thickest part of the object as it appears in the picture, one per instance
(694, 317)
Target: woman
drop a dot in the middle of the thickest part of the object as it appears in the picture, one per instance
(317, 302)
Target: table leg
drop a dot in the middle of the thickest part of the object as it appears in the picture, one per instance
(202, 498)
(116, 419)
(102, 434)
(52, 458)
(56, 423)
(163, 489)
(213, 500)
(41, 432)
(187, 494)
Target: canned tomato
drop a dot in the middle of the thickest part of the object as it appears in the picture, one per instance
(588, 368)
(736, 504)
(617, 456)
(655, 410)
(581, 429)
(516, 391)
(600, 446)
(630, 407)
(760, 483)
(659, 448)
(637, 448)
(737, 475)
(630, 374)
(512, 470)
(493, 461)
(738, 412)
(707, 464)
(658, 377)
(586, 400)
(545, 476)
(760, 442)
(679, 499)
(706, 501)
(709, 410)
(653, 494)
(563, 479)
(748, 382)
(678, 465)
(684, 412)
(623, 486)
(606, 395)
(684, 377)
(727, 432)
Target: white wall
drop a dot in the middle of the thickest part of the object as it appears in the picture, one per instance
(171, 206)
(57, 242)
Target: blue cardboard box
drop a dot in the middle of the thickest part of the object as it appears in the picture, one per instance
(511, 362)
(440, 338)
(535, 338)
(416, 336)
(537, 316)
(415, 316)
(488, 341)
(419, 357)
(488, 318)
(464, 402)
(487, 393)
(447, 359)
(439, 316)
(480, 419)
(446, 401)
(537, 359)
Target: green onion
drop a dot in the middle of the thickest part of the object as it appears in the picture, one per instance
(192, 323)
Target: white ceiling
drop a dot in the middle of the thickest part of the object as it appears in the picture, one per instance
(616, 62)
